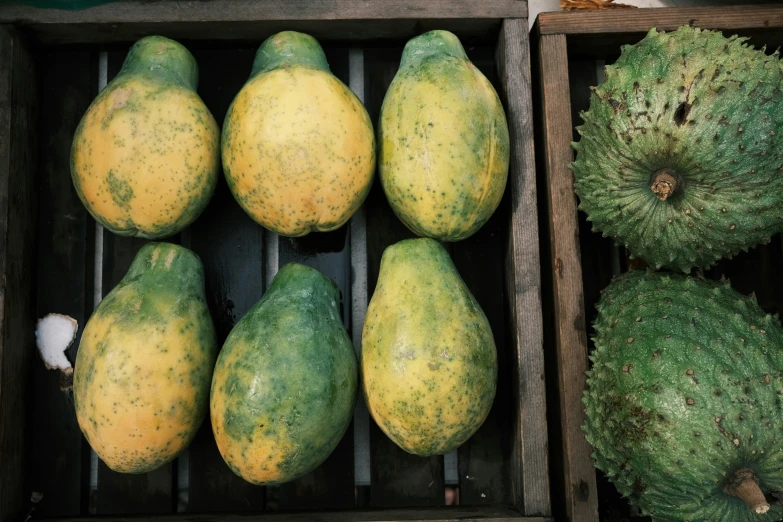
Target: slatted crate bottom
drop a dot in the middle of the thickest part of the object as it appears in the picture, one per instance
(77, 263)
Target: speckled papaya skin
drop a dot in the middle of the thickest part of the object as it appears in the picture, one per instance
(285, 383)
(443, 138)
(144, 365)
(429, 363)
(145, 157)
(298, 146)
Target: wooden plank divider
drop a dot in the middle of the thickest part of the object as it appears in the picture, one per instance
(570, 331)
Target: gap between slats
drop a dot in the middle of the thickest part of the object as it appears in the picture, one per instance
(103, 71)
(359, 296)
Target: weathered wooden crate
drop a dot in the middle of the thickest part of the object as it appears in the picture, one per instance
(53, 257)
(570, 50)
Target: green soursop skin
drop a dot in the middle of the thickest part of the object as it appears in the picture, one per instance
(680, 158)
(684, 399)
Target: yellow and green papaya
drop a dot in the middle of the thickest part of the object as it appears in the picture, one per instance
(145, 157)
(298, 146)
(429, 363)
(443, 141)
(144, 365)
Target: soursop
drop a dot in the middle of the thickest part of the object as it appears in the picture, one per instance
(683, 406)
(680, 158)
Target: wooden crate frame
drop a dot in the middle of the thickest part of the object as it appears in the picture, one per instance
(577, 263)
(44, 234)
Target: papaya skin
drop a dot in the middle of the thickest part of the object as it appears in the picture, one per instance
(145, 157)
(285, 384)
(144, 365)
(443, 141)
(429, 362)
(298, 146)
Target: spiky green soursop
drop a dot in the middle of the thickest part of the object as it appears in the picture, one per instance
(680, 158)
(684, 406)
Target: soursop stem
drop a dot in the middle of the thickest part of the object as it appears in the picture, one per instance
(665, 183)
(743, 485)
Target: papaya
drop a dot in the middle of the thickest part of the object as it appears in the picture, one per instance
(428, 360)
(285, 382)
(144, 365)
(298, 146)
(145, 157)
(443, 141)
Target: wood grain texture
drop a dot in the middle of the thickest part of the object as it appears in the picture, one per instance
(569, 314)
(253, 10)
(664, 19)
(68, 84)
(523, 278)
(239, 19)
(18, 220)
(229, 244)
(455, 514)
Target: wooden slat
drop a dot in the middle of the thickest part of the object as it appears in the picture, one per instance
(456, 514)
(122, 493)
(664, 19)
(252, 10)
(579, 486)
(18, 217)
(239, 19)
(68, 85)
(230, 246)
(530, 476)
(397, 478)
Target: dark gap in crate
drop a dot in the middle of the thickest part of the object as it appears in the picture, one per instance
(756, 271)
(64, 271)
(19, 157)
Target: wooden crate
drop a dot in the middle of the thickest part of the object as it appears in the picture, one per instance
(570, 50)
(54, 258)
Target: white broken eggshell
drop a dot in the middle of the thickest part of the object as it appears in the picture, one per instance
(54, 334)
